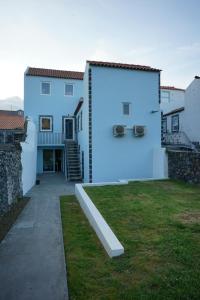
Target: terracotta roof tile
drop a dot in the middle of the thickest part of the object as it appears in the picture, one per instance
(11, 122)
(122, 66)
(173, 88)
(54, 73)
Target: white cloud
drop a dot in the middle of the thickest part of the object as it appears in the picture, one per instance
(11, 103)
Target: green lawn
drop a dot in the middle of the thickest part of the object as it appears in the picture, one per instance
(158, 224)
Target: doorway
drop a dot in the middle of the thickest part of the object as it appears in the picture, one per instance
(52, 160)
(69, 128)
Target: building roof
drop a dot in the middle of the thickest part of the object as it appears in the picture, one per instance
(11, 112)
(173, 88)
(11, 122)
(54, 73)
(174, 111)
(121, 66)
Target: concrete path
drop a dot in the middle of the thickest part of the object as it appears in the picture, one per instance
(32, 262)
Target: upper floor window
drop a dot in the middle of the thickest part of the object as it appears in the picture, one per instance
(165, 96)
(175, 123)
(69, 89)
(45, 88)
(46, 123)
(126, 108)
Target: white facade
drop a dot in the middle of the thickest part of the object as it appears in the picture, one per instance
(171, 98)
(191, 122)
(29, 157)
(107, 91)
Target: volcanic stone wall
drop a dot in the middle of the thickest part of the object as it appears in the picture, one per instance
(10, 176)
(184, 165)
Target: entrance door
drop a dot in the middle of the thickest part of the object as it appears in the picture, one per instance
(69, 128)
(48, 160)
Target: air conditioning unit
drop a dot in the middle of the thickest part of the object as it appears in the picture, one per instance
(138, 130)
(118, 130)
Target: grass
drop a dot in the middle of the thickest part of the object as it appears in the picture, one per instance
(158, 224)
(8, 219)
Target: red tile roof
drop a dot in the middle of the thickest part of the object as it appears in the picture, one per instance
(11, 122)
(54, 73)
(122, 66)
(173, 88)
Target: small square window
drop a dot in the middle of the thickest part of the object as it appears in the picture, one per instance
(126, 108)
(46, 123)
(69, 89)
(175, 123)
(45, 88)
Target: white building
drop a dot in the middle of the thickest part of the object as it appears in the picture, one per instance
(182, 125)
(100, 125)
(171, 98)
(191, 120)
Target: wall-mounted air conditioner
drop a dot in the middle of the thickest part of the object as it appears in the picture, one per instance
(138, 130)
(118, 130)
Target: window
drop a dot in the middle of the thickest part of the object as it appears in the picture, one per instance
(69, 89)
(175, 123)
(165, 96)
(46, 123)
(45, 88)
(126, 108)
(164, 125)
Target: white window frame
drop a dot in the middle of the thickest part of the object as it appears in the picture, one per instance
(173, 127)
(69, 83)
(49, 82)
(165, 96)
(129, 104)
(164, 121)
(65, 118)
(51, 123)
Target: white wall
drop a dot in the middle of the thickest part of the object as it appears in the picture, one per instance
(177, 99)
(192, 111)
(29, 157)
(181, 121)
(127, 157)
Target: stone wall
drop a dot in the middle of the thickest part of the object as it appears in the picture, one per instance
(184, 165)
(10, 175)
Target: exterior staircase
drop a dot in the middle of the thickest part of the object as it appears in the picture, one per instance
(178, 140)
(73, 168)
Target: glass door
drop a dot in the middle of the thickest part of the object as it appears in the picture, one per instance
(69, 128)
(48, 160)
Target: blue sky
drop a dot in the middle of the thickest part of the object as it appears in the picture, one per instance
(62, 34)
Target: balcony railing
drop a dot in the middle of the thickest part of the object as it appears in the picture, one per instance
(50, 138)
(177, 139)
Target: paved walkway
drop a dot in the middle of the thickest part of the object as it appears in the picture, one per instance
(32, 262)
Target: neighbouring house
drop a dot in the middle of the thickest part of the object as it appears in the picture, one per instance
(18, 112)
(191, 122)
(181, 126)
(98, 126)
(171, 98)
(12, 127)
(17, 158)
